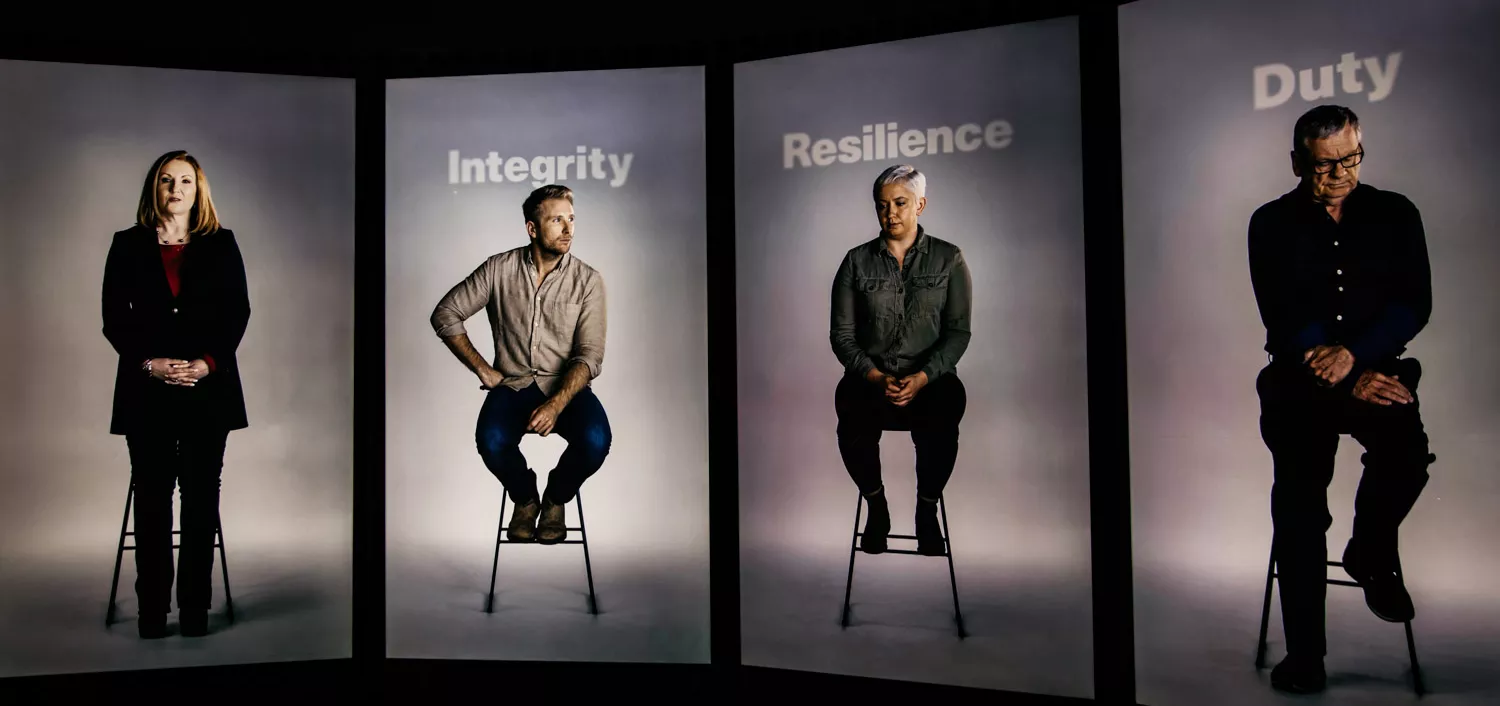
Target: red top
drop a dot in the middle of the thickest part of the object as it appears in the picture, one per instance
(171, 260)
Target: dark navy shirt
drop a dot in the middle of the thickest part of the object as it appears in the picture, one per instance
(1363, 282)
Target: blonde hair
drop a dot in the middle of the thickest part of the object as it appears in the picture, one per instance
(203, 218)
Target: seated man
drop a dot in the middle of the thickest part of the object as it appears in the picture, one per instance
(900, 322)
(1342, 280)
(546, 308)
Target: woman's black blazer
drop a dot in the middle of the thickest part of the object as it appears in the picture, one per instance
(143, 320)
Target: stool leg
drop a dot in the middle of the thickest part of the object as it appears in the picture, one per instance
(588, 566)
(114, 584)
(853, 544)
(489, 603)
(1265, 610)
(1411, 648)
(958, 615)
(224, 569)
(1416, 669)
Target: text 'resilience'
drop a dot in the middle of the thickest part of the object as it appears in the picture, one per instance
(886, 141)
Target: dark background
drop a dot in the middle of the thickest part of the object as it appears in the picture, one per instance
(563, 38)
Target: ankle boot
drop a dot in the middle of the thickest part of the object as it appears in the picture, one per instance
(877, 523)
(523, 522)
(554, 525)
(929, 534)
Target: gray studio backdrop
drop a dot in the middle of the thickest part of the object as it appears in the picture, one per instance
(1018, 502)
(75, 144)
(644, 230)
(1204, 146)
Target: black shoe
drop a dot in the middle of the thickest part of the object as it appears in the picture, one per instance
(554, 525)
(153, 626)
(1299, 676)
(1385, 592)
(194, 623)
(929, 534)
(877, 524)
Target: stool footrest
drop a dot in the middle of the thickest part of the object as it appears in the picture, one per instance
(896, 536)
(545, 544)
(913, 552)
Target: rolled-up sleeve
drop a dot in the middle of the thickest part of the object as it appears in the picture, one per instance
(954, 337)
(842, 321)
(588, 338)
(464, 300)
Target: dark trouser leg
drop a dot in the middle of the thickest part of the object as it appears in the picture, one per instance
(502, 423)
(1296, 427)
(586, 428)
(153, 469)
(935, 413)
(1395, 460)
(202, 463)
(858, 404)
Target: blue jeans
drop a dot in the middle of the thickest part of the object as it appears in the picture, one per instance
(502, 423)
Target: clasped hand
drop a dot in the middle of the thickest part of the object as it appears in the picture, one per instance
(1331, 364)
(175, 371)
(899, 391)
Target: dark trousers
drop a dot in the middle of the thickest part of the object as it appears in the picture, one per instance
(502, 423)
(932, 416)
(159, 463)
(1301, 422)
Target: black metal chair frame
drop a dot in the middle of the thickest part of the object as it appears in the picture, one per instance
(1265, 619)
(125, 531)
(583, 538)
(958, 615)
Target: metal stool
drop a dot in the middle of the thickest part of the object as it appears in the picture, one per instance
(114, 585)
(1265, 619)
(958, 615)
(489, 604)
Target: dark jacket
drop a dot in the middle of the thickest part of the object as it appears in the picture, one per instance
(901, 321)
(143, 320)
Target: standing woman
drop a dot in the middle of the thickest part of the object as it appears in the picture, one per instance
(175, 308)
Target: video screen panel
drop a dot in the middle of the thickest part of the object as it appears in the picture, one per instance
(954, 373)
(178, 254)
(546, 340)
(1310, 274)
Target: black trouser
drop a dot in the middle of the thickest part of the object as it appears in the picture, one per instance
(1301, 422)
(932, 416)
(158, 463)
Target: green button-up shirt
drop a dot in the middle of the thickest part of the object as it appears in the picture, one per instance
(902, 320)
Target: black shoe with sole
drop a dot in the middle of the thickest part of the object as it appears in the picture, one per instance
(152, 627)
(1299, 676)
(877, 524)
(1385, 592)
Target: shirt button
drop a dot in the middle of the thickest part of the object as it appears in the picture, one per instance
(900, 290)
(1340, 317)
(174, 310)
(1338, 272)
(1341, 289)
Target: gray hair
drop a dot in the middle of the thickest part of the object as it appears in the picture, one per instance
(1320, 123)
(903, 174)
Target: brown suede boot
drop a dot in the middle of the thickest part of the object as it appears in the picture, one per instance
(554, 525)
(523, 522)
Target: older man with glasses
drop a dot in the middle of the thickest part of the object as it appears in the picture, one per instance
(1342, 280)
